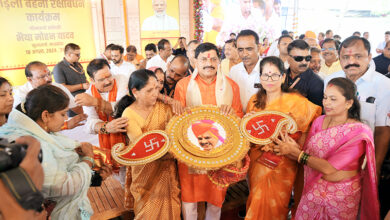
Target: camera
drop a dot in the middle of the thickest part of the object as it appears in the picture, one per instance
(12, 154)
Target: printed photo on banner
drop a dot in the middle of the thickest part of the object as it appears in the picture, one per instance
(223, 17)
(159, 18)
(206, 134)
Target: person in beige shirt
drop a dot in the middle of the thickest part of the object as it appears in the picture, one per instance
(329, 53)
(232, 57)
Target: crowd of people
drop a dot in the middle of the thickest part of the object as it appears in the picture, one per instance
(332, 168)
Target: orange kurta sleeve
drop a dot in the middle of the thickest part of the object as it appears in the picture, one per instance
(236, 103)
(181, 90)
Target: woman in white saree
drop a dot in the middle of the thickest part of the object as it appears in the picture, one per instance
(66, 163)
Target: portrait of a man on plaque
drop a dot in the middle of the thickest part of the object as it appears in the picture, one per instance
(206, 134)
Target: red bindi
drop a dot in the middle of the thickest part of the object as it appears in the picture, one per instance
(208, 55)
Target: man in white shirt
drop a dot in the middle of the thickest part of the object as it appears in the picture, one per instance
(99, 103)
(283, 43)
(107, 53)
(373, 91)
(247, 73)
(241, 18)
(163, 57)
(382, 45)
(160, 21)
(118, 65)
(38, 74)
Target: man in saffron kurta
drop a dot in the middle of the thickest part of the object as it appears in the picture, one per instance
(205, 86)
(98, 103)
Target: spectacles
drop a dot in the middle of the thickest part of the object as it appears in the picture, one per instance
(48, 75)
(330, 49)
(274, 77)
(301, 58)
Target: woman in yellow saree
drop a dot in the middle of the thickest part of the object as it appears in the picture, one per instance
(154, 186)
(271, 183)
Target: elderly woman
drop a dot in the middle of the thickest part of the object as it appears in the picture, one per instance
(66, 163)
(340, 175)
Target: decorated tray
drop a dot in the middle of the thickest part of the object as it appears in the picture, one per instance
(262, 127)
(206, 139)
(148, 147)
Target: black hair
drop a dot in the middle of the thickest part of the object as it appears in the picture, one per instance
(284, 36)
(261, 95)
(328, 31)
(96, 65)
(315, 50)
(45, 97)
(161, 44)
(352, 40)
(337, 36)
(322, 34)
(231, 41)
(330, 40)
(71, 46)
(284, 32)
(348, 90)
(27, 70)
(109, 47)
(151, 47)
(247, 32)
(4, 80)
(302, 36)
(138, 80)
(203, 47)
(232, 34)
(131, 48)
(387, 32)
(357, 32)
(193, 42)
(300, 44)
(118, 47)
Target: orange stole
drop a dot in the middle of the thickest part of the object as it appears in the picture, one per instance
(106, 141)
(270, 189)
(198, 187)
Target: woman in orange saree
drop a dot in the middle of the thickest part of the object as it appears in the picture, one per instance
(154, 186)
(270, 184)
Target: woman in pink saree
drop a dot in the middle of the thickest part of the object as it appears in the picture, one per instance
(339, 176)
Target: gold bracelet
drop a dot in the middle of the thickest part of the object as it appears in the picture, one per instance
(299, 157)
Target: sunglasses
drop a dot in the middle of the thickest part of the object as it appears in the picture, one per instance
(301, 58)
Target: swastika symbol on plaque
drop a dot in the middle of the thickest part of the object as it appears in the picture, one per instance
(150, 146)
(260, 127)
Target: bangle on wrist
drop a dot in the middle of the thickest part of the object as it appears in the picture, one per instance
(103, 129)
(300, 156)
(65, 126)
(90, 159)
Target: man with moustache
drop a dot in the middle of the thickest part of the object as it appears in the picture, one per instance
(247, 73)
(163, 57)
(176, 70)
(329, 53)
(207, 134)
(299, 76)
(315, 62)
(206, 86)
(283, 43)
(118, 65)
(38, 74)
(373, 90)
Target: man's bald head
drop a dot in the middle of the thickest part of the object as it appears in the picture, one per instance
(176, 69)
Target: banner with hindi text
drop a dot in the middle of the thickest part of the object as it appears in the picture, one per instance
(39, 30)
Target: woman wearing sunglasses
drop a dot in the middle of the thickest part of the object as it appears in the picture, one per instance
(271, 182)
